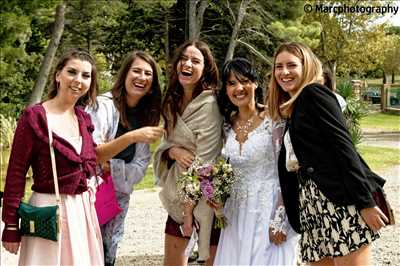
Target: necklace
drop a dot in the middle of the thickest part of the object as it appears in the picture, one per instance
(243, 129)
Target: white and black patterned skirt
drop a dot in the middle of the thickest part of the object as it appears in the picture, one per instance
(329, 230)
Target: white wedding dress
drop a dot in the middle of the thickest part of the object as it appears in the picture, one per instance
(252, 204)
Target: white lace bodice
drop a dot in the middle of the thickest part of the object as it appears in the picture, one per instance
(256, 163)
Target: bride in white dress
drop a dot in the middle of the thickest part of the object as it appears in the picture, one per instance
(258, 232)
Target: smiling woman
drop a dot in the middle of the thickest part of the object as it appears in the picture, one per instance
(126, 121)
(193, 126)
(74, 83)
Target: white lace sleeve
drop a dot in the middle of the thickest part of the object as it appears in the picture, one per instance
(278, 128)
(279, 221)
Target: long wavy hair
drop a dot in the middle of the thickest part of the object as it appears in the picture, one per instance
(240, 68)
(279, 102)
(150, 104)
(76, 53)
(174, 93)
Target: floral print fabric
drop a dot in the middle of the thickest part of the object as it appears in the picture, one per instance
(329, 230)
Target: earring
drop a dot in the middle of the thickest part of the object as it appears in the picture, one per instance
(57, 85)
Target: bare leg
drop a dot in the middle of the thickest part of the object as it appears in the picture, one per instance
(360, 257)
(174, 249)
(213, 251)
(327, 261)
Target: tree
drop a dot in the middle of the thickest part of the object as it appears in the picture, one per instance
(349, 42)
(235, 31)
(23, 38)
(195, 17)
(58, 29)
(391, 62)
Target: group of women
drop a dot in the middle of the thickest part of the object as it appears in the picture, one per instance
(298, 172)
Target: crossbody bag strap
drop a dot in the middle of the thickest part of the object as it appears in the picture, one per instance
(53, 163)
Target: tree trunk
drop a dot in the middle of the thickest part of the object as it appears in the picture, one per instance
(393, 77)
(200, 16)
(58, 29)
(192, 19)
(196, 17)
(384, 80)
(232, 43)
(166, 44)
(332, 67)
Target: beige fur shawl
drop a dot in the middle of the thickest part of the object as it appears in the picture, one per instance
(199, 130)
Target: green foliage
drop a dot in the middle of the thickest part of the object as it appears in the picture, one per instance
(350, 40)
(344, 88)
(23, 30)
(379, 158)
(295, 30)
(382, 121)
(355, 110)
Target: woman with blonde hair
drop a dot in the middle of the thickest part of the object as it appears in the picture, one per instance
(326, 186)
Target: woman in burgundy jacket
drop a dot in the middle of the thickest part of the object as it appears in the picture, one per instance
(74, 83)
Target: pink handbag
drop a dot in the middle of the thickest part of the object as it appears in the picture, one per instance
(106, 201)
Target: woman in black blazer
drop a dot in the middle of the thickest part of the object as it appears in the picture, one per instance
(326, 186)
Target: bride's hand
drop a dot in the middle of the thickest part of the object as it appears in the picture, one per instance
(277, 238)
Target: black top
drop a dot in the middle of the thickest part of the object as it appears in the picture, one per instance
(129, 152)
(326, 154)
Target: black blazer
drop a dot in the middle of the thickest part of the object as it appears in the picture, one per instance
(326, 154)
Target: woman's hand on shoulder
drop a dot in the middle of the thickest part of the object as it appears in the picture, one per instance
(146, 134)
(182, 156)
(374, 218)
(11, 247)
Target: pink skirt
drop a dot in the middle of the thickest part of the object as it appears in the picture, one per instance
(79, 241)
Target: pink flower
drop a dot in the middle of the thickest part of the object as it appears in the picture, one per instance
(207, 189)
(205, 171)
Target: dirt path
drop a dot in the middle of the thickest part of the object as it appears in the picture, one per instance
(143, 240)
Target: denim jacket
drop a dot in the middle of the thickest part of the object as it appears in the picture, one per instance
(105, 119)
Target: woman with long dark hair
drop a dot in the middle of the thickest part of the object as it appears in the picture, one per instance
(193, 126)
(126, 121)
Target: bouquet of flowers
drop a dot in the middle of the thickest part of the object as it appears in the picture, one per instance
(212, 181)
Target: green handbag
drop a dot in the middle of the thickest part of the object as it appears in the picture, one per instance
(39, 221)
(42, 221)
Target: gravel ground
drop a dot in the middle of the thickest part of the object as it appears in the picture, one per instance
(143, 240)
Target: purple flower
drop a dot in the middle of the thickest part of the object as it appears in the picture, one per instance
(205, 170)
(207, 189)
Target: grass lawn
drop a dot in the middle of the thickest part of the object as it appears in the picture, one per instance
(382, 121)
(379, 158)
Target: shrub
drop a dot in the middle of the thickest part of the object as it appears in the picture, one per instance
(355, 110)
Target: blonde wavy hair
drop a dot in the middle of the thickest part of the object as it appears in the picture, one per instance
(279, 102)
